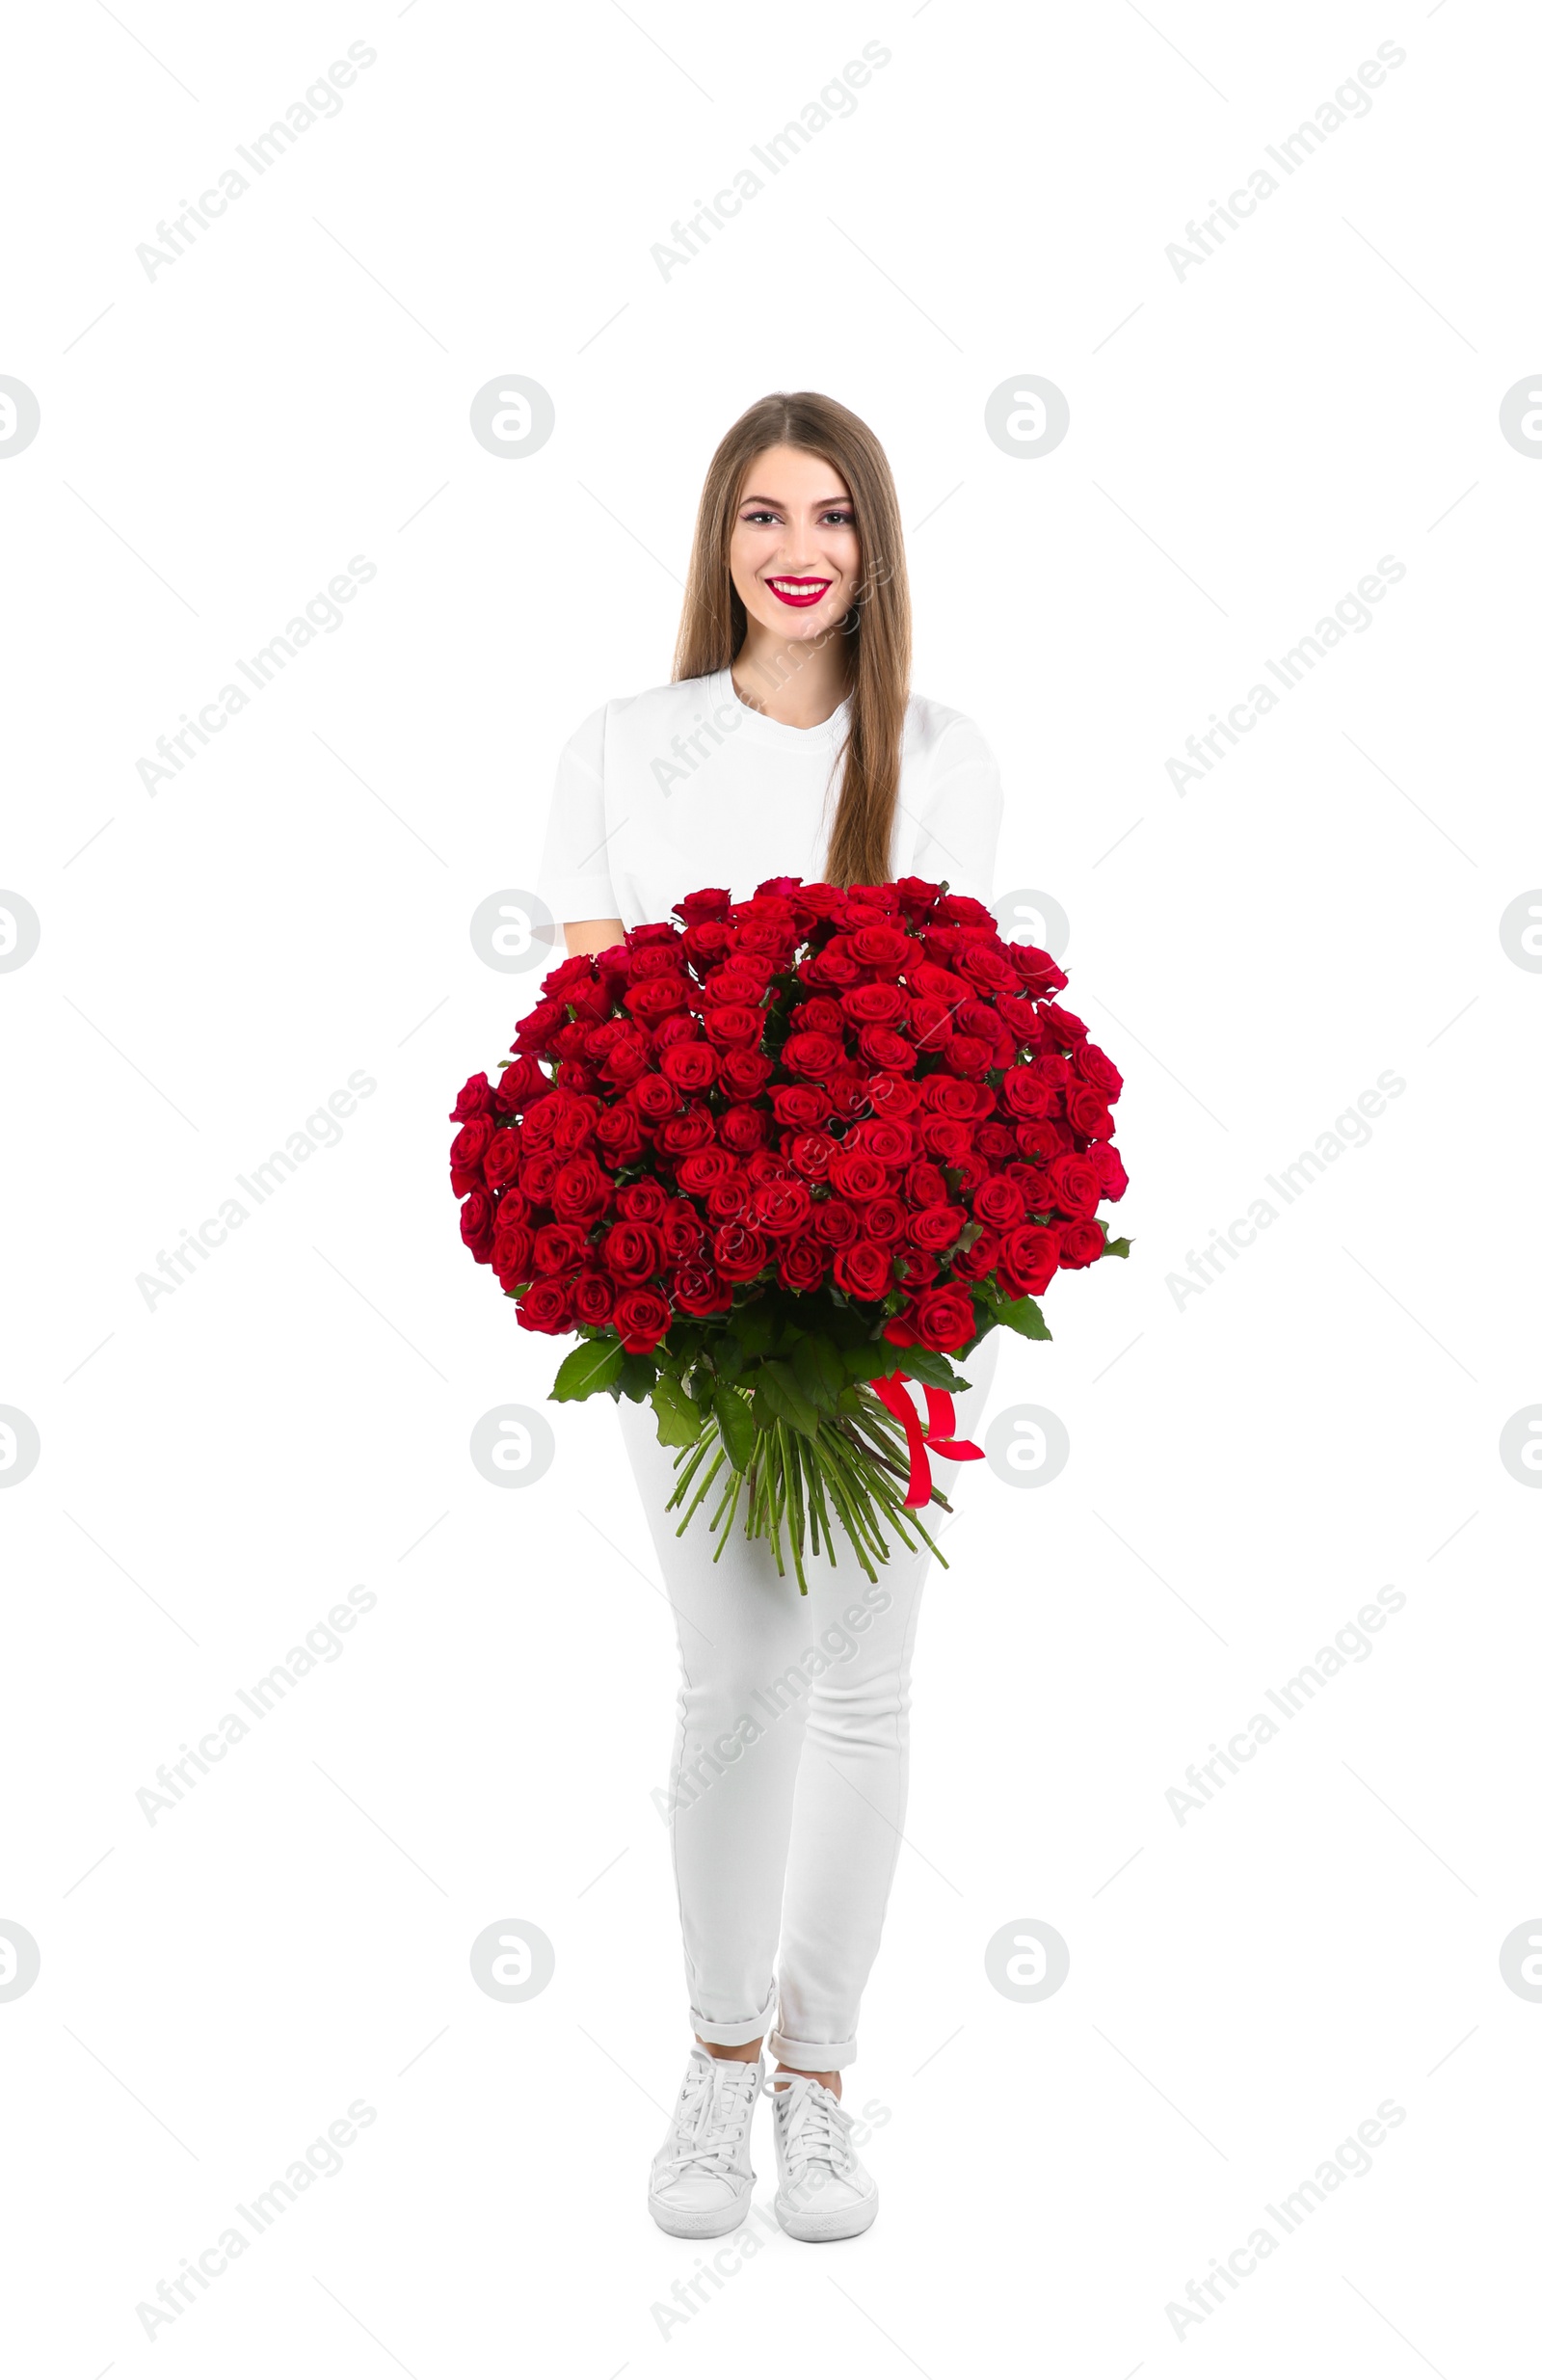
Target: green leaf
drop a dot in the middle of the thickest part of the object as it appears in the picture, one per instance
(679, 1422)
(874, 1359)
(1116, 1247)
(728, 1356)
(636, 1377)
(922, 1364)
(819, 1372)
(754, 1326)
(735, 1425)
(592, 1366)
(1022, 1314)
(777, 1391)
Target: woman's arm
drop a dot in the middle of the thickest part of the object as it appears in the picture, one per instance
(589, 934)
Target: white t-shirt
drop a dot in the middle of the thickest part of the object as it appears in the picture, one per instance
(662, 793)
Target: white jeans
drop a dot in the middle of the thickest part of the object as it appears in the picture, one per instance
(788, 1775)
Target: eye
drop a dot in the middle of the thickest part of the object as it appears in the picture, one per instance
(755, 518)
(842, 519)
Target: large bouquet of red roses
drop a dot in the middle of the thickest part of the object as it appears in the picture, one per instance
(773, 1162)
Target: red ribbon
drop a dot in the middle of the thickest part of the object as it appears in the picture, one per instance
(936, 1439)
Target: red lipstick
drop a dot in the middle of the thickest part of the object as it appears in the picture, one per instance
(799, 592)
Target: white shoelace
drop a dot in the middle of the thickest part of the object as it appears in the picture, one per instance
(714, 2107)
(815, 2128)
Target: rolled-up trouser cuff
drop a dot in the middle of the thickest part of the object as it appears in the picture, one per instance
(732, 2032)
(813, 2057)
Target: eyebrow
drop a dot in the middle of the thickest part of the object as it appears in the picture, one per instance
(777, 505)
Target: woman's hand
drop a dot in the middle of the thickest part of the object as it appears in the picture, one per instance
(590, 934)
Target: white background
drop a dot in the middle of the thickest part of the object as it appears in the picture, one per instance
(1247, 1469)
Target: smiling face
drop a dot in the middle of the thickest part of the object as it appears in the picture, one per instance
(794, 555)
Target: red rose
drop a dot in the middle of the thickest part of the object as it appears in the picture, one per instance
(579, 1191)
(466, 1152)
(624, 1061)
(745, 1073)
(894, 1095)
(545, 1306)
(1109, 1168)
(694, 1128)
(864, 1269)
(944, 1096)
(659, 997)
(992, 970)
(1064, 1028)
(1076, 1186)
(726, 1201)
(697, 908)
(536, 1176)
(999, 1203)
(681, 1231)
(835, 1222)
(936, 1227)
(1080, 1244)
(881, 1046)
(799, 1106)
(1039, 1140)
(631, 1252)
(593, 1297)
(812, 1054)
(513, 1253)
(1036, 969)
(743, 1129)
(690, 1065)
(856, 1174)
(654, 1097)
(875, 1004)
(619, 1134)
(739, 1253)
(640, 1318)
(1097, 1067)
(558, 1246)
(696, 1289)
(780, 1209)
(881, 947)
(642, 1202)
(733, 1027)
(702, 1168)
(1028, 1259)
(802, 1266)
(918, 1266)
(942, 1319)
(931, 1023)
(966, 1055)
(521, 1082)
(885, 1220)
(979, 1261)
(502, 1161)
(1087, 1112)
(810, 1152)
(925, 1185)
(474, 1098)
(888, 1138)
(476, 1225)
(950, 1143)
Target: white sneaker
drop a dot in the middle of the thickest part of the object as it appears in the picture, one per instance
(702, 2178)
(824, 2192)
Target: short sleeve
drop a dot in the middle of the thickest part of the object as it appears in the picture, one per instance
(575, 878)
(961, 820)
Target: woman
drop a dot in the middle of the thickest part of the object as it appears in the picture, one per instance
(787, 745)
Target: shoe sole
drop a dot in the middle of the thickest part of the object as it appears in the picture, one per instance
(702, 2222)
(849, 2222)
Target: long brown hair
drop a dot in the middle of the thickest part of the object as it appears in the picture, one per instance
(876, 631)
